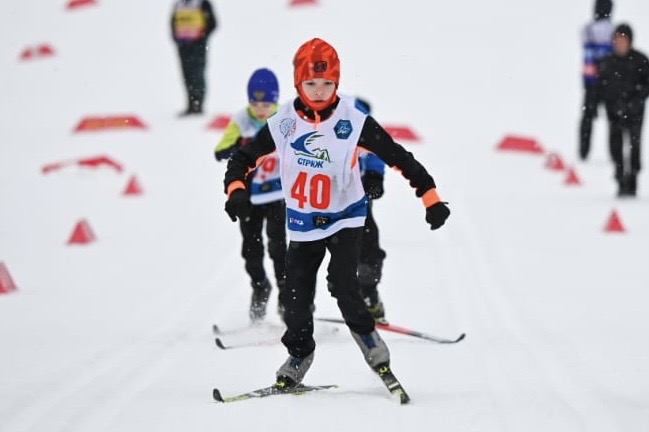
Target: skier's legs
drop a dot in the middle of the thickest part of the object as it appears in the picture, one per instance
(302, 262)
(371, 258)
(197, 58)
(342, 278)
(635, 130)
(615, 140)
(252, 248)
(589, 112)
(275, 214)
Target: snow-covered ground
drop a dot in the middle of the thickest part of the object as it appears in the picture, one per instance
(116, 335)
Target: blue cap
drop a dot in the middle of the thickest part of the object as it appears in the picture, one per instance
(263, 86)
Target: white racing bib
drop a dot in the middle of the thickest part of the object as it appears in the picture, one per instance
(319, 171)
(265, 185)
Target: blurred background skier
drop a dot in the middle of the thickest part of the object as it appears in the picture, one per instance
(265, 191)
(597, 42)
(370, 264)
(192, 22)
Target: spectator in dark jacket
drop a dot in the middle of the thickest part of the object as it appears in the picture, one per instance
(192, 22)
(624, 88)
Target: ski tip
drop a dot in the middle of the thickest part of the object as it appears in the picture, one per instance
(216, 394)
(216, 329)
(219, 343)
(452, 341)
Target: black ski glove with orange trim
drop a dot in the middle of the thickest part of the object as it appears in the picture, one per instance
(238, 205)
(437, 214)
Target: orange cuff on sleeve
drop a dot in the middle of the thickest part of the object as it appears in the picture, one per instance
(430, 197)
(237, 184)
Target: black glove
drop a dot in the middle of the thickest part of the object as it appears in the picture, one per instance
(437, 214)
(226, 153)
(373, 184)
(238, 205)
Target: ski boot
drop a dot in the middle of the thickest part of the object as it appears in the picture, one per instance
(259, 300)
(628, 186)
(377, 356)
(373, 348)
(291, 373)
(375, 307)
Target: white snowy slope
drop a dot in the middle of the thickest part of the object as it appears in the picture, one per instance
(115, 335)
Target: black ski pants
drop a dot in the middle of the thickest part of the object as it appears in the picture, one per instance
(252, 248)
(193, 58)
(371, 259)
(303, 260)
(588, 114)
(631, 126)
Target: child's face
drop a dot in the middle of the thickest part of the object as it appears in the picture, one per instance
(261, 110)
(318, 89)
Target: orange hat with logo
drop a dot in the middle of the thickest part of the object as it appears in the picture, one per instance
(315, 59)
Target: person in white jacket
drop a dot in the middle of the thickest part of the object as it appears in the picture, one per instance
(597, 38)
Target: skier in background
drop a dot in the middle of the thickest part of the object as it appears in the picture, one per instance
(597, 42)
(265, 191)
(192, 22)
(317, 136)
(624, 86)
(370, 264)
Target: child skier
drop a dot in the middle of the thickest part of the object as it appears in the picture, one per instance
(265, 191)
(370, 264)
(317, 138)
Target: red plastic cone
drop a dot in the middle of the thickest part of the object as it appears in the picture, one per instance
(554, 162)
(572, 178)
(45, 50)
(7, 284)
(520, 144)
(400, 133)
(302, 2)
(614, 223)
(133, 187)
(74, 4)
(219, 122)
(82, 233)
(27, 54)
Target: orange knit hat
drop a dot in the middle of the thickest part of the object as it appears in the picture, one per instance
(315, 59)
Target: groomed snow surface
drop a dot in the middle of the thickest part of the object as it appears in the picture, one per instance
(116, 334)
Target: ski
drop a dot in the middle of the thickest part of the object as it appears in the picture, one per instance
(261, 327)
(403, 330)
(392, 383)
(219, 343)
(270, 391)
(259, 336)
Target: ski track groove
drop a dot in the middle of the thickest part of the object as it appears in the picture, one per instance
(495, 312)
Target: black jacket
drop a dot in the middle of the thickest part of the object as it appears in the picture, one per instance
(624, 85)
(373, 138)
